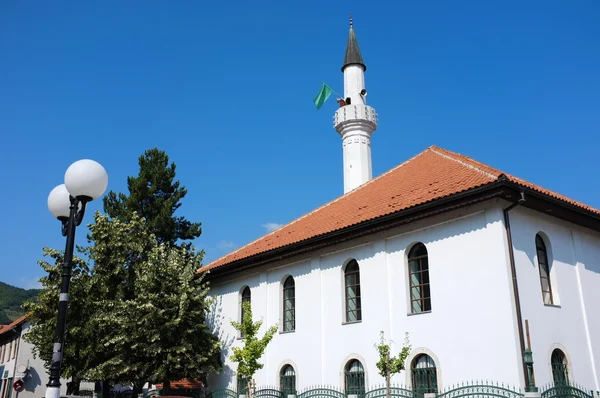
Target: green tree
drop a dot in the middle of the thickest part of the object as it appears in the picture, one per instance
(155, 330)
(116, 249)
(389, 365)
(155, 195)
(172, 337)
(253, 348)
(43, 318)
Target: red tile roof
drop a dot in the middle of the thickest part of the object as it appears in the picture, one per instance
(432, 174)
(185, 383)
(12, 325)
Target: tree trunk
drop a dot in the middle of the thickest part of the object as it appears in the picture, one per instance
(166, 388)
(387, 376)
(105, 389)
(137, 389)
(73, 386)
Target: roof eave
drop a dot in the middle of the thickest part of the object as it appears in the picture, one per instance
(556, 207)
(461, 199)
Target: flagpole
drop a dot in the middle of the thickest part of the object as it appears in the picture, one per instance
(332, 90)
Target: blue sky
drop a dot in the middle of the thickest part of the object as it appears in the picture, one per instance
(226, 89)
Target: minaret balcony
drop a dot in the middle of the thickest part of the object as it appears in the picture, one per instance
(355, 113)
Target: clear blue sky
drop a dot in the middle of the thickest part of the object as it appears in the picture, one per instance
(226, 89)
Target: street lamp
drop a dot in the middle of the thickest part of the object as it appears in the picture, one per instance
(85, 180)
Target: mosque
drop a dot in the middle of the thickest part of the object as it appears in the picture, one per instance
(482, 269)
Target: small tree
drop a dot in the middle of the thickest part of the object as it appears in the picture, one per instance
(388, 365)
(253, 349)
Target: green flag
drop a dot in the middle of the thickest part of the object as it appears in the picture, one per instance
(323, 95)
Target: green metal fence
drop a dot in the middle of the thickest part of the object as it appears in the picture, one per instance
(268, 392)
(481, 389)
(396, 391)
(222, 393)
(474, 389)
(322, 392)
(565, 389)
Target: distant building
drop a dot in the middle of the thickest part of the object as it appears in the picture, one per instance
(463, 257)
(18, 364)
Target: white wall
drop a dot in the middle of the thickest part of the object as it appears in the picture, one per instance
(573, 324)
(35, 383)
(470, 331)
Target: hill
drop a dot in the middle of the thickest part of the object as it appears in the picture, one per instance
(11, 300)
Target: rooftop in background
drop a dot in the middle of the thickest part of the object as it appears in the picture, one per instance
(433, 174)
(7, 328)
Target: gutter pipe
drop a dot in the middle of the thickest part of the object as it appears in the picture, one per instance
(513, 271)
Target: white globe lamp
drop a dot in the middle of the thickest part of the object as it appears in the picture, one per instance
(59, 203)
(86, 180)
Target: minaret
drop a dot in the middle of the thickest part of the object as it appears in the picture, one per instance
(355, 120)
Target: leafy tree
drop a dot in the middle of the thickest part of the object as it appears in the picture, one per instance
(153, 330)
(388, 365)
(253, 348)
(171, 306)
(43, 317)
(116, 249)
(154, 195)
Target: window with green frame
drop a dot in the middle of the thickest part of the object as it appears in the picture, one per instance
(560, 373)
(287, 381)
(544, 268)
(424, 375)
(352, 292)
(289, 305)
(354, 378)
(242, 385)
(418, 276)
(245, 298)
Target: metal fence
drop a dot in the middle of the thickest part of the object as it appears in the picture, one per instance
(566, 389)
(472, 389)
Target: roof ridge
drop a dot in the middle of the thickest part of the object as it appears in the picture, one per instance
(207, 266)
(438, 151)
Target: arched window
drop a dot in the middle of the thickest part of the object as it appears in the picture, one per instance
(560, 374)
(354, 380)
(544, 268)
(242, 385)
(424, 374)
(352, 284)
(289, 305)
(287, 381)
(418, 276)
(246, 298)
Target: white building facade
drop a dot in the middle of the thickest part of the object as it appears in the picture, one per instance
(468, 328)
(478, 268)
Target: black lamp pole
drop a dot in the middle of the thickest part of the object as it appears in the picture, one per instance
(69, 224)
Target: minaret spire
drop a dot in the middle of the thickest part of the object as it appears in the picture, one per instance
(355, 121)
(353, 55)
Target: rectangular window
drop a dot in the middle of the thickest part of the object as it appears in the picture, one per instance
(289, 307)
(15, 348)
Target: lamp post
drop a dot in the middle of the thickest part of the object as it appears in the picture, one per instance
(85, 180)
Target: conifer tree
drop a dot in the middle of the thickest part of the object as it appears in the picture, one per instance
(155, 195)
